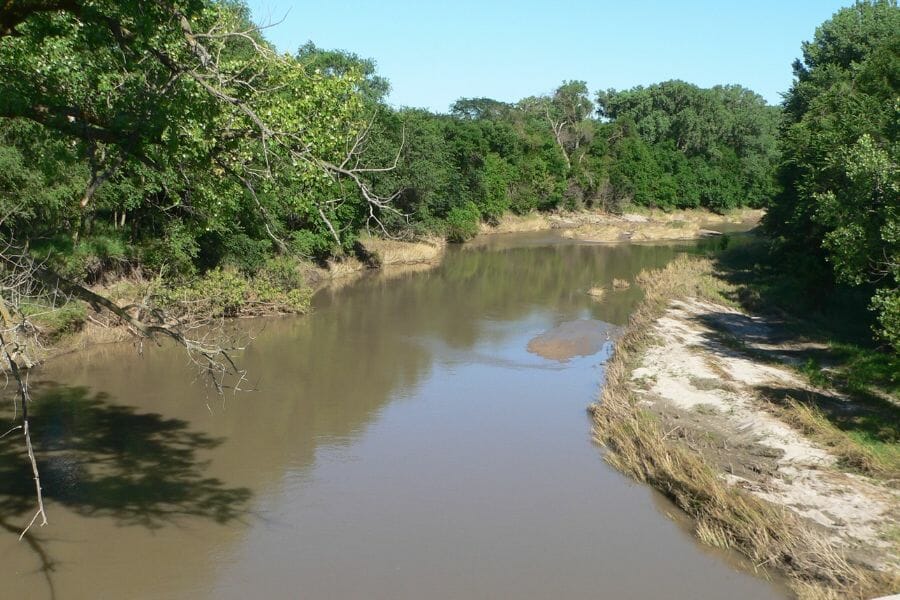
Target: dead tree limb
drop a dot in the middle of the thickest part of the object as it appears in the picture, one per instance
(25, 398)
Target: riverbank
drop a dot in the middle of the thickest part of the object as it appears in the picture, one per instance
(395, 400)
(281, 286)
(636, 226)
(710, 405)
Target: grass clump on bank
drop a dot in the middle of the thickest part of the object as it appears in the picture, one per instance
(867, 452)
(53, 322)
(726, 517)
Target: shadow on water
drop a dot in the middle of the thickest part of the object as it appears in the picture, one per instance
(98, 459)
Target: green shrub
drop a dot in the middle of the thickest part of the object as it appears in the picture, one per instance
(176, 251)
(56, 320)
(310, 244)
(220, 292)
(226, 292)
(283, 272)
(281, 284)
(280, 299)
(462, 222)
(245, 253)
(494, 187)
(886, 303)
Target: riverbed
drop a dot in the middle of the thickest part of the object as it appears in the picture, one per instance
(399, 442)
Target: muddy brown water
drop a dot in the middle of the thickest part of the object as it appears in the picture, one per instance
(401, 443)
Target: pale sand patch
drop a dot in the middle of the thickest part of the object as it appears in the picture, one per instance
(620, 230)
(634, 218)
(597, 233)
(599, 226)
(654, 225)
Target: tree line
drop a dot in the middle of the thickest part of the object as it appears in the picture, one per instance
(171, 134)
(836, 217)
(170, 137)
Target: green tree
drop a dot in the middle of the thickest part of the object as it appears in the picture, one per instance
(340, 63)
(838, 214)
(725, 138)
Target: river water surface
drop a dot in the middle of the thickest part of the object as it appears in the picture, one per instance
(402, 442)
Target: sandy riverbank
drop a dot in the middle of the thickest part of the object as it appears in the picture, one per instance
(703, 402)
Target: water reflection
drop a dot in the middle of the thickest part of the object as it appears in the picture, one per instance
(99, 459)
(102, 459)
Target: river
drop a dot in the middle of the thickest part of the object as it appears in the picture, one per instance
(399, 442)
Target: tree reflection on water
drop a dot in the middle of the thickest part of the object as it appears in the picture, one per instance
(99, 459)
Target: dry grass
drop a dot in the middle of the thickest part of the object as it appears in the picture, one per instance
(645, 225)
(768, 536)
(344, 267)
(510, 223)
(598, 233)
(396, 252)
(851, 453)
(622, 230)
(620, 284)
(700, 216)
(673, 230)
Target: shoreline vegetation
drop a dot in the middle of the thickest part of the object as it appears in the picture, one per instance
(723, 412)
(720, 411)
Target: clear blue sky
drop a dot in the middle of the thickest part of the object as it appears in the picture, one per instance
(436, 52)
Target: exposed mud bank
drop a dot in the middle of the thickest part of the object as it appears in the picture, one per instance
(378, 253)
(396, 257)
(393, 257)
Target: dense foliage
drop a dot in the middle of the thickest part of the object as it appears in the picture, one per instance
(838, 218)
(169, 135)
(686, 146)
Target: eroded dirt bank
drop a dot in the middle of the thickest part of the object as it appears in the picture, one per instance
(703, 402)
